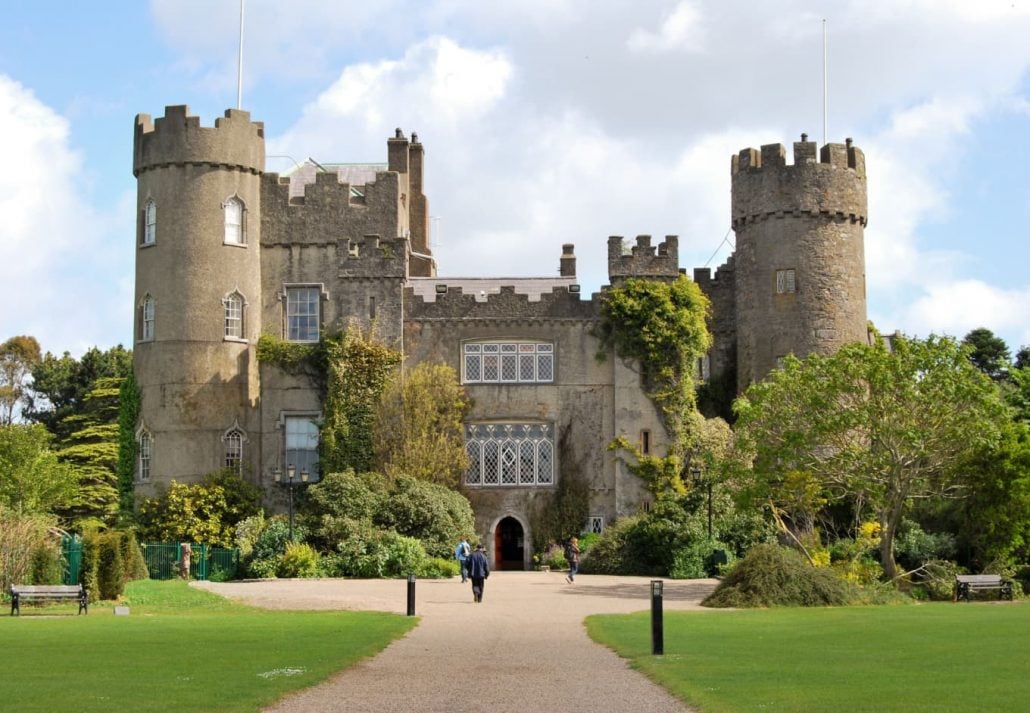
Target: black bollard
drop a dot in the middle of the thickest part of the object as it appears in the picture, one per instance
(411, 595)
(657, 633)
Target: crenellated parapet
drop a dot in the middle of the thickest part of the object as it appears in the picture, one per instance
(507, 304)
(178, 139)
(643, 259)
(766, 186)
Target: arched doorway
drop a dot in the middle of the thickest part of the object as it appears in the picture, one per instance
(509, 544)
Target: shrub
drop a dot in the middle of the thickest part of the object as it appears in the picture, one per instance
(199, 512)
(269, 546)
(438, 568)
(434, 514)
(937, 580)
(20, 536)
(607, 556)
(247, 532)
(770, 575)
(46, 565)
(110, 569)
(90, 565)
(134, 564)
(701, 558)
(299, 560)
(404, 556)
(914, 547)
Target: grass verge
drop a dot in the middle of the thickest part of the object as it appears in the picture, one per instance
(181, 649)
(933, 657)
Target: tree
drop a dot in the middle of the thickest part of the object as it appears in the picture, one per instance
(419, 425)
(59, 384)
(32, 479)
(1022, 357)
(873, 427)
(91, 448)
(989, 353)
(18, 356)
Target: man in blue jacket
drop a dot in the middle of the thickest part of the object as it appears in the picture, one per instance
(461, 553)
(479, 570)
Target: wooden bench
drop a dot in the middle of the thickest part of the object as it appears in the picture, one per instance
(47, 592)
(965, 584)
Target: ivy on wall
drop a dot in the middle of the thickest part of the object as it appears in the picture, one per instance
(662, 325)
(128, 417)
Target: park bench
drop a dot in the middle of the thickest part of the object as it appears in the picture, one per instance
(966, 584)
(47, 592)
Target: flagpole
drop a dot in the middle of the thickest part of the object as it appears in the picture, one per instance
(239, 67)
(824, 82)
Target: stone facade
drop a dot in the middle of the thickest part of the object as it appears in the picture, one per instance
(328, 246)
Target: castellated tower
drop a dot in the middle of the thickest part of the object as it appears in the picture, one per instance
(198, 278)
(799, 261)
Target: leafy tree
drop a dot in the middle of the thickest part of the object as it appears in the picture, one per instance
(419, 425)
(32, 479)
(989, 353)
(91, 448)
(1018, 394)
(60, 384)
(874, 427)
(18, 356)
(1022, 357)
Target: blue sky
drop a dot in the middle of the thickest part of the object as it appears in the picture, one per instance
(544, 122)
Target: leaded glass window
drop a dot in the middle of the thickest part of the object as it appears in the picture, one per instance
(233, 316)
(233, 441)
(234, 234)
(508, 362)
(302, 444)
(146, 327)
(509, 454)
(150, 223)
(146, 446)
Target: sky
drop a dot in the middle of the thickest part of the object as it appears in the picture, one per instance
(544, 122)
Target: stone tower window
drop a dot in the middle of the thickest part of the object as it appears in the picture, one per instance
(509, 454)
(302, 314)
(234, 227)
(146, 319)
(234, 305)
(645, 441)
(146, 446)
(785, 282)
(233, 446)
(595, 524)
(150, 222)
(703, 370)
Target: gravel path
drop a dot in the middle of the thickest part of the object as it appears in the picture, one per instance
(523, 649)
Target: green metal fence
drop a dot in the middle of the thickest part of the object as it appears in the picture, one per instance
(163, 559)
(71, 554)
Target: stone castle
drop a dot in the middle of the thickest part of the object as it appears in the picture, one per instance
(226, 251)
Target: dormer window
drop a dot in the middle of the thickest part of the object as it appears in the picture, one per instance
(234, 232)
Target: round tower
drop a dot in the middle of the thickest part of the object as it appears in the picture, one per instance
(800, 257)
(198, 293)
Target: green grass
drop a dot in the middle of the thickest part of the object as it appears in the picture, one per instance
(180, 649)
(932, 657)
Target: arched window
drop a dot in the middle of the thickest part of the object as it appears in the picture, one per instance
(512, 454)
(145, 443)
(150, 222)
(234, 304)
(234, 233)
(146, 319)
(233, 441)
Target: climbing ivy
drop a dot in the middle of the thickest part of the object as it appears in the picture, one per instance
(291, 357)
(128, 417)
(661, 324)
(358, 369)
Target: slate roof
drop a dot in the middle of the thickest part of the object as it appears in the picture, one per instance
(425, 287)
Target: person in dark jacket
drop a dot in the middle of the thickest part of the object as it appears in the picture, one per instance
(479, 570)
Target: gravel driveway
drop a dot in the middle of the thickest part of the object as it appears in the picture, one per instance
(523, 649)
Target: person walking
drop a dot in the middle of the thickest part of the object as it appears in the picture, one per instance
(572, 557)
(462, 553)
(479, 570)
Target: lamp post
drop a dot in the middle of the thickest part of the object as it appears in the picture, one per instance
(698, 476)
(290, 483)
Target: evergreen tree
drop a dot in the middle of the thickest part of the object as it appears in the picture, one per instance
(989, 353)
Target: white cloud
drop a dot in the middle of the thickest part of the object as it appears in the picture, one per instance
(681, 30)
(58, 271)
(957, 307)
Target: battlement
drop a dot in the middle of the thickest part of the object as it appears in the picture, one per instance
(178, 139)
(643, 259)
(506, 304)
(371, 256)
(723, 274)
(831, 186)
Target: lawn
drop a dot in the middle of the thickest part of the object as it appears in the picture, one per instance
(929, 657)
(180, 649)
